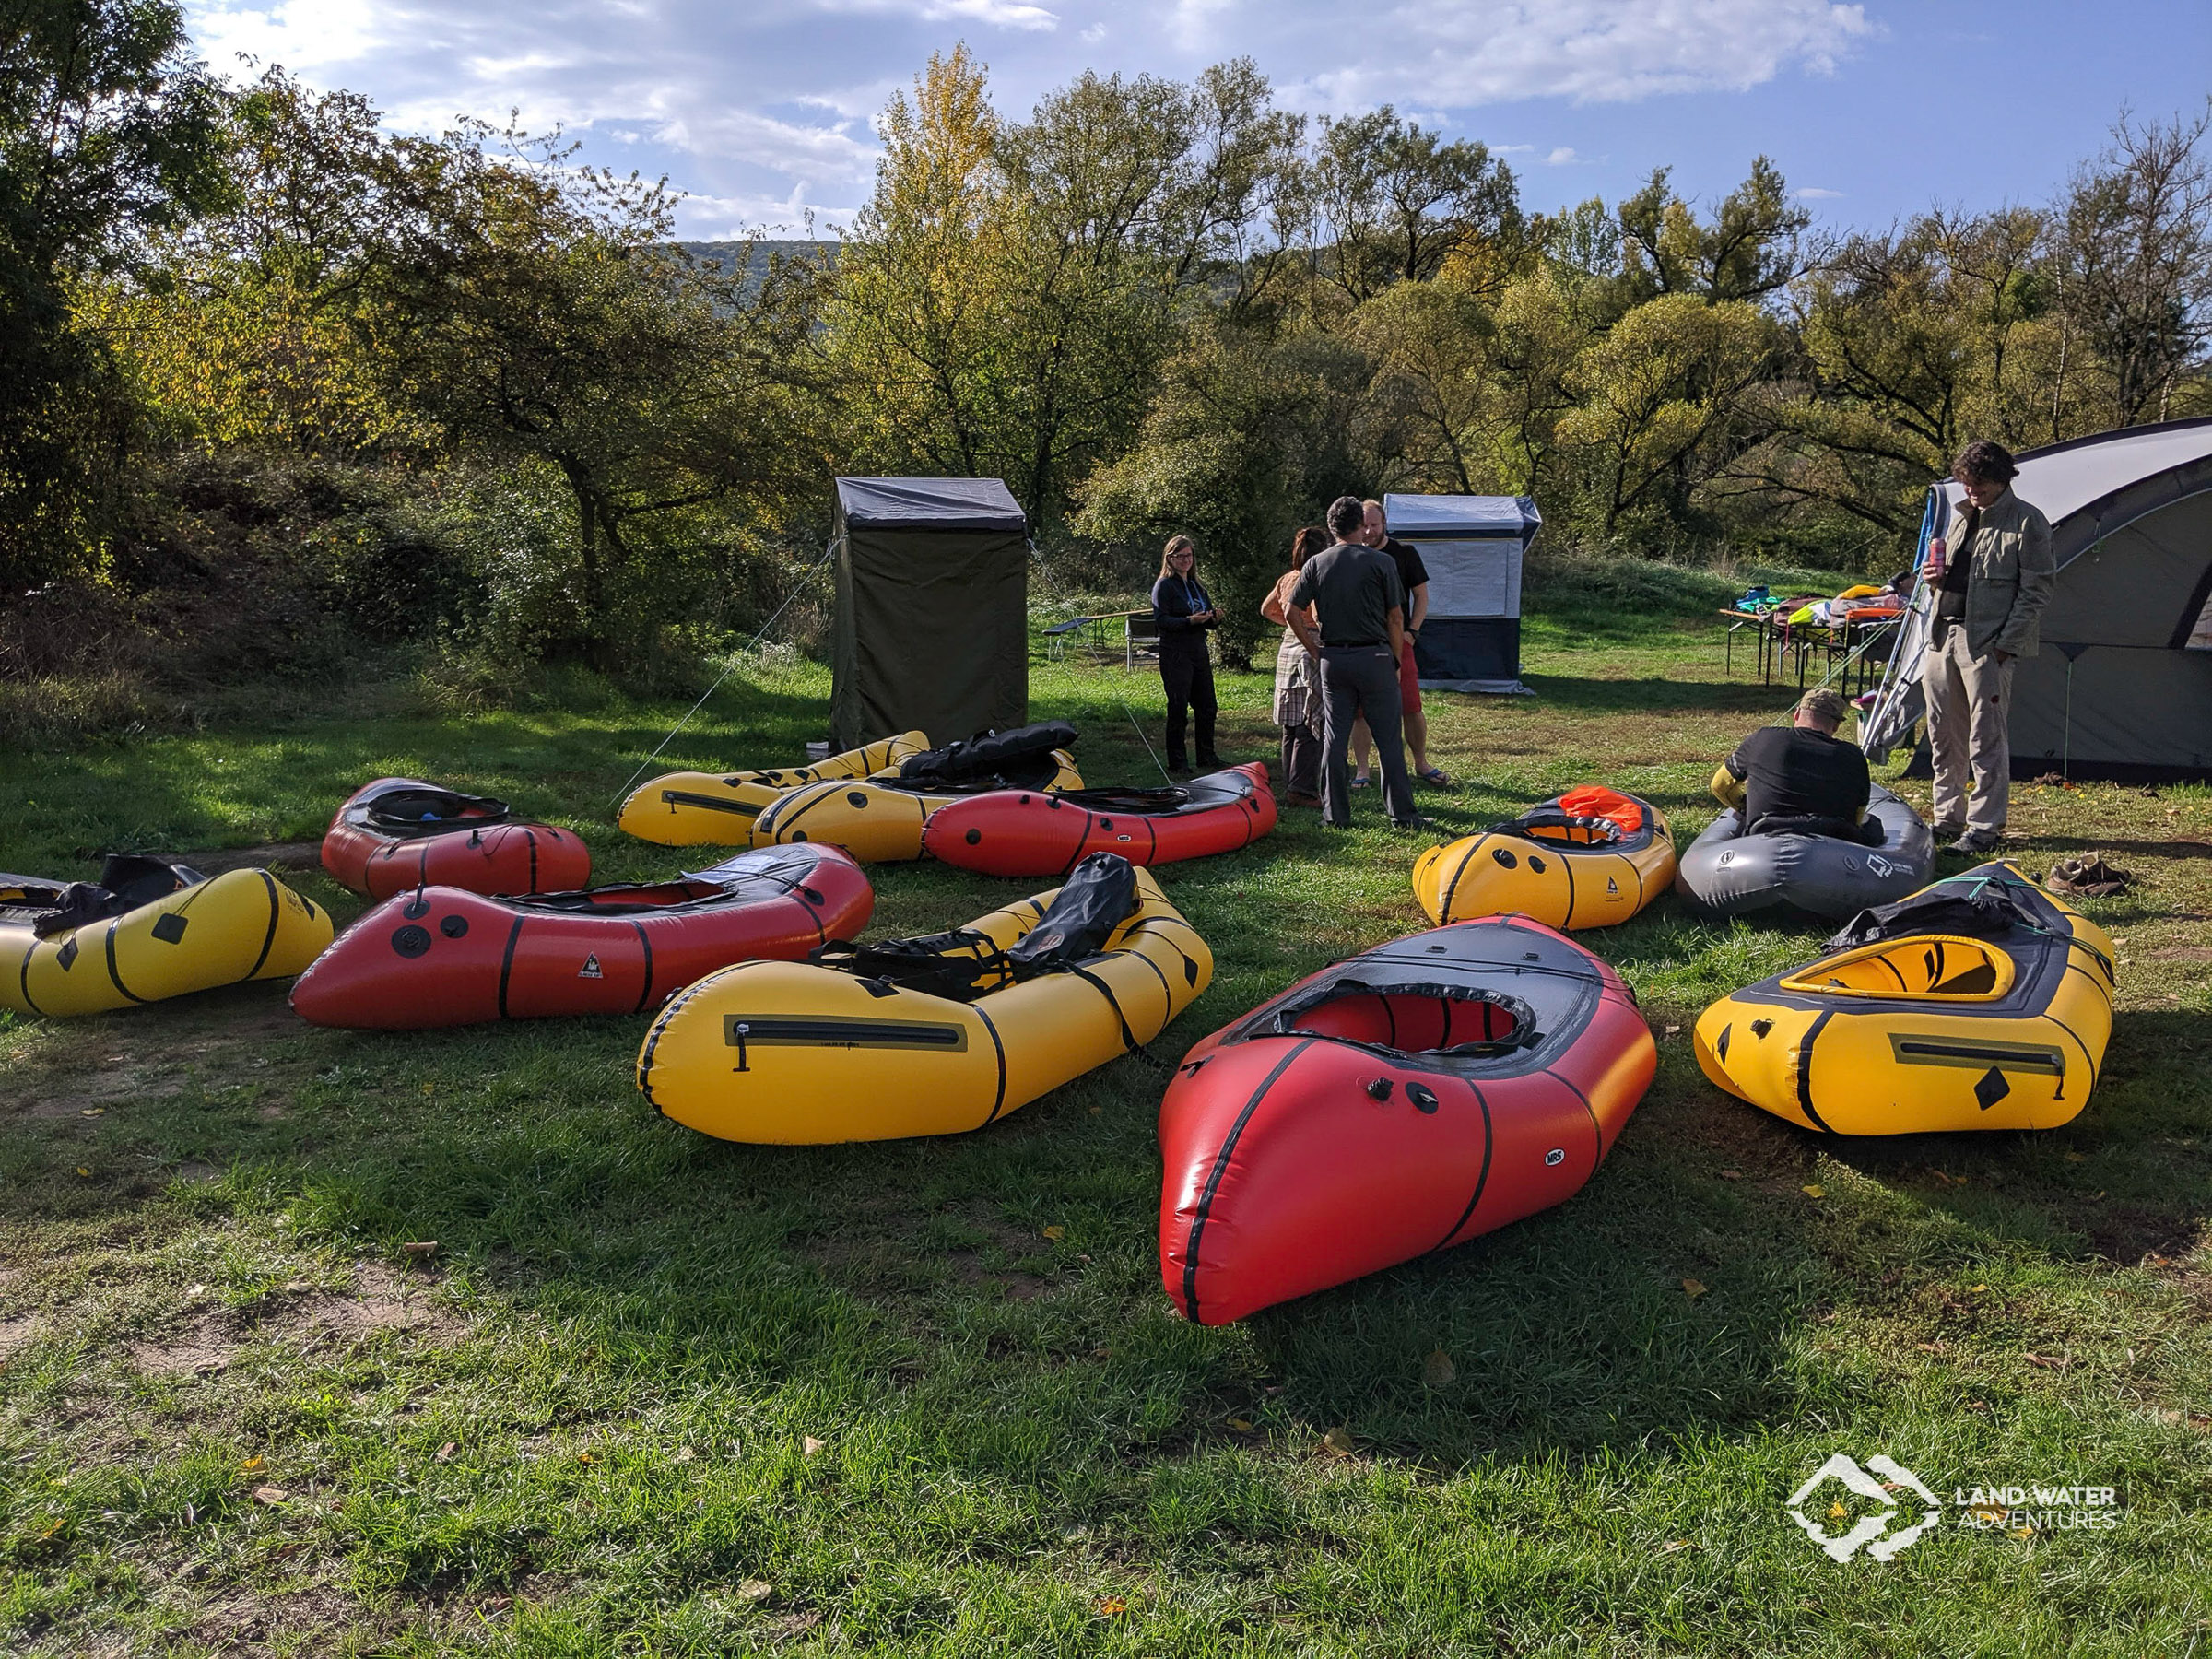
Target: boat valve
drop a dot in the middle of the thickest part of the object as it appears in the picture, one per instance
(1379, 1090)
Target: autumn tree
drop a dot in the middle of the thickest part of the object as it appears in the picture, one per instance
(538, 313)
(109, 133)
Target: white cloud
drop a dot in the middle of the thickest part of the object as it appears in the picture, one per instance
(1813, 193)
(1594, 51)
(1562, 157)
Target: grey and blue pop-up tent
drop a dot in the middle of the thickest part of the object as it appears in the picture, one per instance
(2122, 687)
(933, 596)
(1472, 547)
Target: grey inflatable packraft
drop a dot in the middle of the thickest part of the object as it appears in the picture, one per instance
(1725, 872)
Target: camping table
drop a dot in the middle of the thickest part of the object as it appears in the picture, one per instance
(1093, 629)
(1781, 642)
(1760, 623)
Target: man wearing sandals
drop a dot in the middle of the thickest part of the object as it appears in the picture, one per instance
(1413, 577)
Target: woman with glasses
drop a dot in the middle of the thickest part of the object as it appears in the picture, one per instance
(1185, 614)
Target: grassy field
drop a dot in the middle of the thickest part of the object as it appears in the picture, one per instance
(653, 1394)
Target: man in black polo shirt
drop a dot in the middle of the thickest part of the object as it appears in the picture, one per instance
(1413, 580)
(1800, 779)
(1354, 593)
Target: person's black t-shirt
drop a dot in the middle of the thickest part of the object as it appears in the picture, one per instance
(1795, 778)
(1412, 572)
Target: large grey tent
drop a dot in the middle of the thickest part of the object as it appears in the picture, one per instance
(932, 596)
(1472, 547)
(2122, 685)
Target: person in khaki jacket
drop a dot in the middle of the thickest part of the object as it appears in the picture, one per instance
(1991, 583)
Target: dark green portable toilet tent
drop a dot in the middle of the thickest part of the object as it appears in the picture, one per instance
(932, 601)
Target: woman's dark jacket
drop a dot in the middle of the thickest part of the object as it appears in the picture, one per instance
(1175, 599)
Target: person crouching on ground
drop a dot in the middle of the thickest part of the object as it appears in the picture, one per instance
(1186, 613)
(1296, 678)
(1412, 578)
(1357, 635)
(1800, 779)
(1992, 582)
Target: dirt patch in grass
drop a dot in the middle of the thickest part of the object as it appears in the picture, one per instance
(18, 1333)
(202, 1344)
(273, 856)
(382, 1301)
(250, 1624)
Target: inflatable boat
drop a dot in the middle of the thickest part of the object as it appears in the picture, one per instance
(693, 810)
(1031, 832)
(147, 931)
(929, 1036)
(1727, 873)
(1396, 1103)
(400, 832)
(881, 819)
(439, 956)
(1978, 1003)
(1590, 858)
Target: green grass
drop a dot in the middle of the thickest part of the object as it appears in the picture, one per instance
(582, 1426)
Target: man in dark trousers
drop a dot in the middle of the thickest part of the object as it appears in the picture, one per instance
(1354, 593)
(1800, 779)
(1991, 580)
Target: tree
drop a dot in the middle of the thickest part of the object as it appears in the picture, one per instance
(1662, 402)
(108, 132)
(537, 314)
(1007, 297)
(1753, 246)
(1248, 438)
(1393, 201)
(2135, 264)
(243, 327)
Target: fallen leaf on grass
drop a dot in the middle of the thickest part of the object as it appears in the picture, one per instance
(91, 1111)
(1055, 1233)
(684, 1454)
(2077, 1157)
(1813, 1191)
(808, 1445)
(1101, 1353)
(756, 1590)
(1339, 1440)
(1693, 1288)
(1674, 1031)
(422, 1249)
(1673, 1544)
(1112, 1605)
(445, 1452)
(1239, 1426)
(1732, 1174)
(250, 1465)
(1438, 1368)
(270, 1494)
(2048, 1362)
(585, 1457)
(1929, 1347)
(82, 1170)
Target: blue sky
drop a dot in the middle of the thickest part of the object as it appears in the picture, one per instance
(762, 110)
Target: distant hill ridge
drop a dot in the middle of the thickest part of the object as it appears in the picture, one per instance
(726, 253)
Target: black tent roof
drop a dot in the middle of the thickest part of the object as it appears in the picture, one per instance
(929, 505)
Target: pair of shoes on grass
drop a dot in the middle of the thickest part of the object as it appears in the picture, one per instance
(2087, 877)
